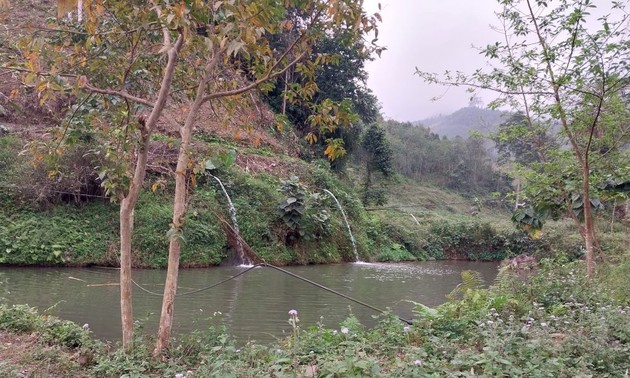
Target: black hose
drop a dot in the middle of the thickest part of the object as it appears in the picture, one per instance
(282, 271)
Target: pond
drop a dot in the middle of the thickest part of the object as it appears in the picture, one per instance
(253, 306)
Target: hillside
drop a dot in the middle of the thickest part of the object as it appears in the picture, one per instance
(57, 211)
(464, 121)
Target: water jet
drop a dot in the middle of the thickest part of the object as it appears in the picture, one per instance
(343, 213)
(243, 259)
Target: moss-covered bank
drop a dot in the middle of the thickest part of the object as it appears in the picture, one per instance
(284, 214)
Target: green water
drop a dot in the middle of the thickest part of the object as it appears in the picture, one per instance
(253, 306)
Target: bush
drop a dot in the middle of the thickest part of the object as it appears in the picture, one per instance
(477, 241)
(64, 235)
(396, 253)
(19, 319)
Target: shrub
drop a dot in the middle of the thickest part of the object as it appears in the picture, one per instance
(477, 241)
(396, 253)
(19, 318)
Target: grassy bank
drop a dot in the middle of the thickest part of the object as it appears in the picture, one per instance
(283, 213)
(87, 233)
(552, 323)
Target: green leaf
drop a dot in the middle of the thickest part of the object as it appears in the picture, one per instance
(210, 165)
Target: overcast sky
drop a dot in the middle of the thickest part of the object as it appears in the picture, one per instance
(433, 35)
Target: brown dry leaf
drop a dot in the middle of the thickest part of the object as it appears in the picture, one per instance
(65, 6)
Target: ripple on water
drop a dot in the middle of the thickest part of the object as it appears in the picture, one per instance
(398, 271)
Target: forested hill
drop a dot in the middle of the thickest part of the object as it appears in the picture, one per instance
(463, 121)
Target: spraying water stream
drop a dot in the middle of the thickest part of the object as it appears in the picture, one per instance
(343, 213)
(244, 260)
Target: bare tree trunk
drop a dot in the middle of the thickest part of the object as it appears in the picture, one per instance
(127, 206)
(128, 202)
(170, 286)
(179, 209)
(589, 223)
(612, 216)
(126, 310)
(581, 157)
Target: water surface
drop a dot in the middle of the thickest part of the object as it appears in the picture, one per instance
(253, 306)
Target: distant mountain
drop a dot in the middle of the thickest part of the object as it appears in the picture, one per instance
(463, 121)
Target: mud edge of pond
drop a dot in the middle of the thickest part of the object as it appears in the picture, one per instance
(185, 265)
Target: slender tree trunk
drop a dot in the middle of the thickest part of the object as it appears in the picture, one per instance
(179, 209)
(612, 216)
(128, 202)
(127, 206)
(589, 224)
(172, 274)
(126, 310)
(581, 157)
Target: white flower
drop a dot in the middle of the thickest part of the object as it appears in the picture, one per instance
(406, 329)
(417, 363)
(293, 312)
(86, 327)
(345, 330)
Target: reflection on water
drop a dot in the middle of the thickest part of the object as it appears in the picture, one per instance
(253, 306)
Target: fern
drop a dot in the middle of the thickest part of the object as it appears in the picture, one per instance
(471, 280)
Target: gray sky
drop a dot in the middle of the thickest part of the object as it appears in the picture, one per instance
(433, 35)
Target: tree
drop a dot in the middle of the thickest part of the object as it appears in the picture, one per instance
(559, 63)
(340, 81)
(136, 56)
(344, 77)
(519, 142)
(378, 158)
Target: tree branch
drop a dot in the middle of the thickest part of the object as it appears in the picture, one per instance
(270, 73)
(122, 94)
(165, 85)
(89, 87)
(165, 32)
(573, 42)
(556, 89)
(482, 86)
